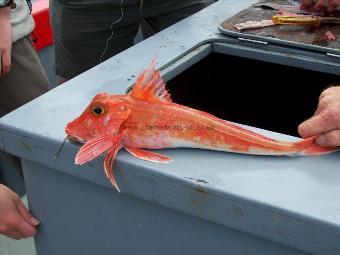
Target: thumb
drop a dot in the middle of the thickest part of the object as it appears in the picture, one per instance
(318, 124)
(26, 214)
(331, 138)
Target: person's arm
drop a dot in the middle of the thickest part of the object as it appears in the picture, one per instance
(326, 121)
(321, 5)
(5, 40)
(15, 220)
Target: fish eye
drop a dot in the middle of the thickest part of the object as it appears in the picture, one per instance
(97, 110)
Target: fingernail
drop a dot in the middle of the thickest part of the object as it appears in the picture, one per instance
(34, 221)
(321, 140)
(301, 130)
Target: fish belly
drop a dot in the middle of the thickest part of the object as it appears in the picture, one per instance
(162, 141)
(240, 148)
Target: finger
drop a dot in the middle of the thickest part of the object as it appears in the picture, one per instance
(26, 214)
(6, 61)
(15, 234)
(332, 6)
(331, 138)
(325, 93)
(25, 228)
(318, 124)
(23, 211)
(321, 5)
(306, 4)
(330, 90)
(330, 96)
(324, 103)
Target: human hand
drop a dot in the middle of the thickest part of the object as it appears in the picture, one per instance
(326, 121)
(5, 40)
(15, 220)
(321, 5)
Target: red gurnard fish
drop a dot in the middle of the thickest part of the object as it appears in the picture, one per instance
(148, 119)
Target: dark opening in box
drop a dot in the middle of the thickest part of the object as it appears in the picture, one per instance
(265, 95)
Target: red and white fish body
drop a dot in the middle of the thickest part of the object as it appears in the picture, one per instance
(148, 119)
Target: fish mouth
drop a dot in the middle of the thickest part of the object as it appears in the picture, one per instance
(74, 137)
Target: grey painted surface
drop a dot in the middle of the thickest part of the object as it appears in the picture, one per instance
(291, 44)
(129, 226)
(289, 201)
(280, 55)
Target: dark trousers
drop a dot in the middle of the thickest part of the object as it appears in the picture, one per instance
(81, 27)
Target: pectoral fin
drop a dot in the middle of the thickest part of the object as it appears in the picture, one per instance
(95, 147)
(108, 163)
(148, 155)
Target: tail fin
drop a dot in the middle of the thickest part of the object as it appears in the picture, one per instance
(309, 147)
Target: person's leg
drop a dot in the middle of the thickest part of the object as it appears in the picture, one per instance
(160, 14)
(82, 28)
(26, 79)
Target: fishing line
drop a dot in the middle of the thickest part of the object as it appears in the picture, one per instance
(112, 32)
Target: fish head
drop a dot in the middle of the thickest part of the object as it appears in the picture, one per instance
(103, 116)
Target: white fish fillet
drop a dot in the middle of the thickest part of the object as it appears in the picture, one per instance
(254, 24)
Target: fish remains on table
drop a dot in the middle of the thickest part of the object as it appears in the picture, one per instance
(254, 24)
(148, 119)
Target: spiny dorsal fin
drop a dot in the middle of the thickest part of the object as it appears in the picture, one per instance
(150, 86)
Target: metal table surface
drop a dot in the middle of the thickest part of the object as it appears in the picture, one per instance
(215, 200)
